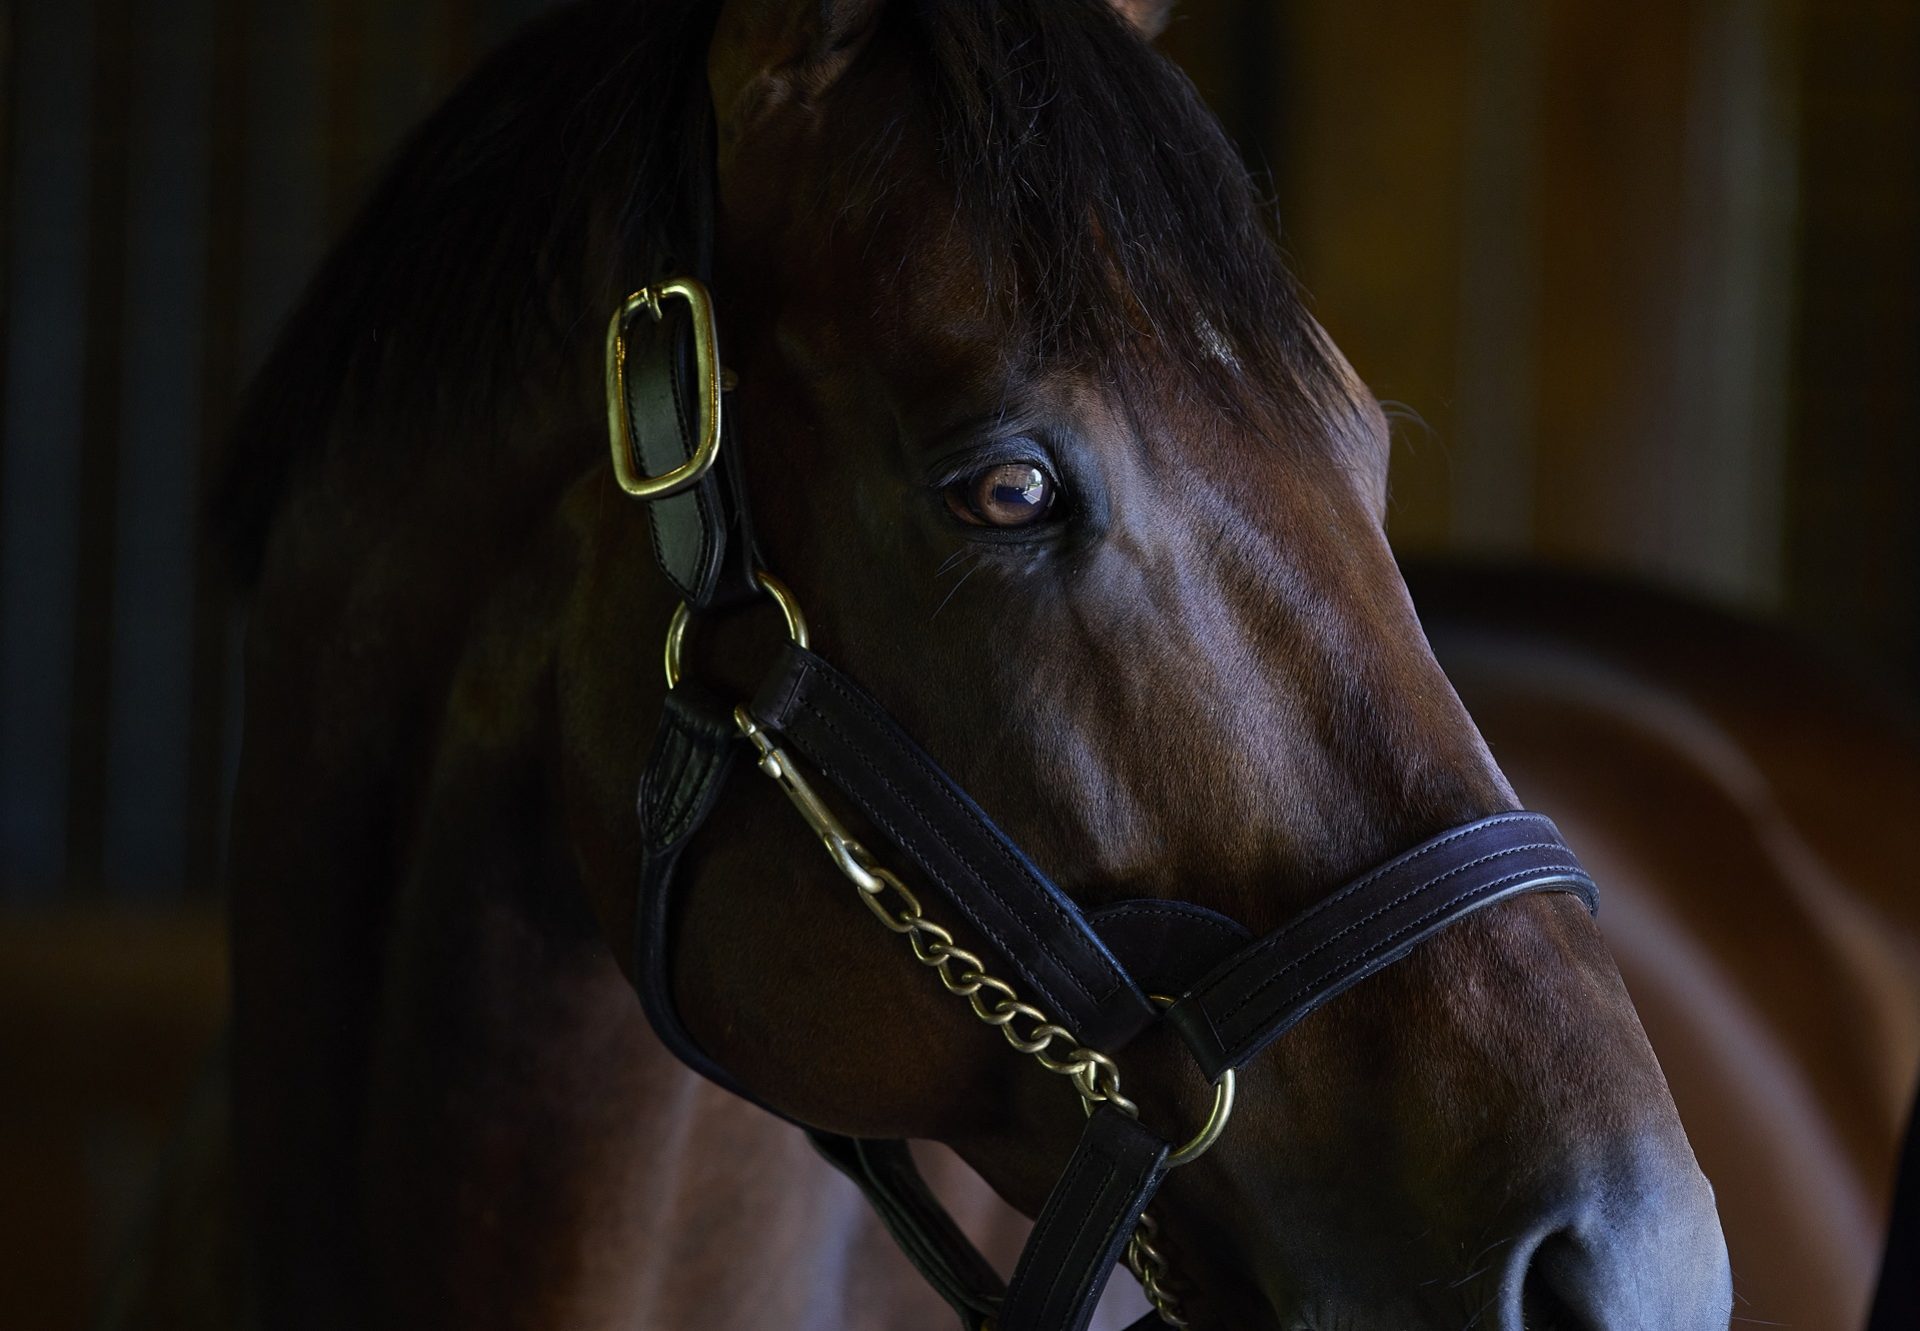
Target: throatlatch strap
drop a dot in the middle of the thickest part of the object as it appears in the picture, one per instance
(984, 877)
(1257, 995)
(702, 537)
(886, 1173)
(1086, 1223)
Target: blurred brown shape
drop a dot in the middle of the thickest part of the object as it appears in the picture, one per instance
(108, 1019)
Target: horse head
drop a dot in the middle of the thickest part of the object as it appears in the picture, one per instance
(1044, 442)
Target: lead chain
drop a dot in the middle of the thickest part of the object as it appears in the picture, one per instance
(995, 1002)
(1149, 1267)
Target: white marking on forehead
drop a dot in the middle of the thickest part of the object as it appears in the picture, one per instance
(1215, 344)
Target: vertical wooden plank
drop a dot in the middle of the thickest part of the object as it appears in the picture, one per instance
(1492, 440)
(145, 835)
(42, 429)
(266, 230)
(286, 198)
(1612, 172)
(1854, 516)
(9, 153)
(221, 360)
(1376, 116)
(1663, 300)
(1719, 512)
(342, 81)
(101, 415)
(1559, 235)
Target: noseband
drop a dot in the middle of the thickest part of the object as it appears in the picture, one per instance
(1068, 987)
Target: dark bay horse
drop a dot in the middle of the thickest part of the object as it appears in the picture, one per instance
(1748, 805)
(1040, 435)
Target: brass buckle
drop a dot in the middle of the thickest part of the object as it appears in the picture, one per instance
(706, 359)
(766, 582)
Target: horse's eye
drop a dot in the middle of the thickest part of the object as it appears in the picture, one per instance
(1009, 494)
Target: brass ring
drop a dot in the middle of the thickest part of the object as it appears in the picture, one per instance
(683, 615)
(1216, 1124)
(1217, 1117)
(1203, 1140)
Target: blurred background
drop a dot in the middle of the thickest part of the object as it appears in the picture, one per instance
(1640, 277)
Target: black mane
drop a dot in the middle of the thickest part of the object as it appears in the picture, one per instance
(1100, 193)
(489, 246)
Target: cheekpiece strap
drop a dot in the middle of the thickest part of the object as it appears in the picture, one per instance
(671, 382)
(702, 538)
(984, 877)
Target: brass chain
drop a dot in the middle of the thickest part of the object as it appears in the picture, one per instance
(1150, 1268)
(995, 1002)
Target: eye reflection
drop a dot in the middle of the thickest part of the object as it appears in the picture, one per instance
(1010, 494)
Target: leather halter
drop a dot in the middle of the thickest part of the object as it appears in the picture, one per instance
(1091, 972)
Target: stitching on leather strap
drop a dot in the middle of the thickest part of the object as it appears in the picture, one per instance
(958, 898)
(1367, 879)
(689, 807)
(662, 779)
(1269, 981)
(779, 714)
(1487, 890)
(697, 588)
(681, 807)
(936, 779)
(1542, 873)
(1075, 1168)
(1127, 910)
(1116, 980)
(1112, 1176)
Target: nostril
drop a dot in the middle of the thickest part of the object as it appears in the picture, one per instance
(1656, 1263)
(1542, 1307)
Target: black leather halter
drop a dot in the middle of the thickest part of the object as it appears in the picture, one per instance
(1091, 972)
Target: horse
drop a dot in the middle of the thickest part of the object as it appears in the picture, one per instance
(1744, 799)
(1039, 433)
(1791, 1069)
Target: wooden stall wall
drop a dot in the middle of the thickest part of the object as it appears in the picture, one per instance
(1639, 279)
(170, 171)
